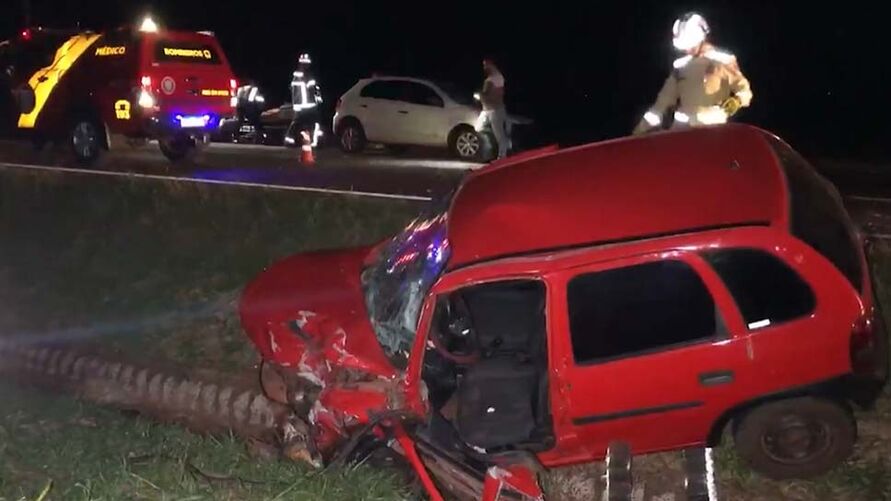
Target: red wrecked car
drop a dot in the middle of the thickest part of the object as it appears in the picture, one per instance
(650, 290)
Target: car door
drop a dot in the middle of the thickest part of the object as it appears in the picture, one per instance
(643, 354)
(422, 115)
(783, 318)
(376, 110)
(114, 56)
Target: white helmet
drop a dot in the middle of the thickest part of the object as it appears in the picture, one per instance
(689, 31)
(304, 59)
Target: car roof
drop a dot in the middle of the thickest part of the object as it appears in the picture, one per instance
(177, 36)
(624, 189)
(392, 78)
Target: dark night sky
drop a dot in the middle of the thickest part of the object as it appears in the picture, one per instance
(584, 71)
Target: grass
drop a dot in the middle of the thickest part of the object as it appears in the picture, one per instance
(152, 270)
(136, 265)
(86, 453)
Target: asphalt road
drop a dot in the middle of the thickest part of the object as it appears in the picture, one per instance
(415, 175)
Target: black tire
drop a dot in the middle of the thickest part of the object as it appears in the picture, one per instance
(796, 438)
(618, 471)
(86, 138)
(177, 148)
(351, 136)
(467, 144)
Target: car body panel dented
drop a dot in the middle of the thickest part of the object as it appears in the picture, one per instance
(307, 312)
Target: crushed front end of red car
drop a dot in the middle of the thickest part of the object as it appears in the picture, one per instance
(306, 317)
(335, 330)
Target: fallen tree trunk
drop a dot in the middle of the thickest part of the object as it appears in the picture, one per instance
(201, 405)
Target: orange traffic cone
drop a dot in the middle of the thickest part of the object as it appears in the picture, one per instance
(306, 156)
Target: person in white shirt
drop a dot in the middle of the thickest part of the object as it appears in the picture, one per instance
(494, 111)
(705, 87)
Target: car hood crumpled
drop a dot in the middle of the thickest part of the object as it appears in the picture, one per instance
(307, 312)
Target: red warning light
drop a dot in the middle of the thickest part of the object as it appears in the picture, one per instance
(26, 34)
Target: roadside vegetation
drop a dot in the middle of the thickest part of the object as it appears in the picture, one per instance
(155, 268)
(77, 451)
(152, 270)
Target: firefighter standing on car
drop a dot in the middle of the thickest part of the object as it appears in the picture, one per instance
(305, 97)
(494, 111)
(705, 87)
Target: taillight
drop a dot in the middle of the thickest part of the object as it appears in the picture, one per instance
(146, 98)
(26, 35)
(863, 345)
(233, 89)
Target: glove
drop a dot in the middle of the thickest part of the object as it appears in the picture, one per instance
(731, 105)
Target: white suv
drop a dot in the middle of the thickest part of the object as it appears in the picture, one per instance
(407, 111)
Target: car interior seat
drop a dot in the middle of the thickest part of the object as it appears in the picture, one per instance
(502, 398)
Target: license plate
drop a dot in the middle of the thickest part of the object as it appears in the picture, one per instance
(247, 128)
(185, 122)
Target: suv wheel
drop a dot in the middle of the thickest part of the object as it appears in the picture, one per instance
(796, 438)
(352, 137)
(86, 141)
(466, 144)
(177, 148)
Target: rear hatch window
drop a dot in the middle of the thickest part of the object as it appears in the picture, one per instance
(190, 74)
(818, 215)
(169, 51)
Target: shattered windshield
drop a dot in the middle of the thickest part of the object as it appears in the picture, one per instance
(397, 282)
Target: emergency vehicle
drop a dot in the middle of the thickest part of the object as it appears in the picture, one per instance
(88, 89)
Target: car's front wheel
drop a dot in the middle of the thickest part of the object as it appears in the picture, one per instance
(466, 144)
(351, 136)
(796, 438)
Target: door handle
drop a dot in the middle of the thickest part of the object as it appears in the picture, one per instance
(716, 378)
(363, 106)
(403, 112)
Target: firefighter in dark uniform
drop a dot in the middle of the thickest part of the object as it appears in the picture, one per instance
(306, 97)
(249, 106)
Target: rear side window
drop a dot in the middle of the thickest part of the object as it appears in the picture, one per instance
(168, 51)
(638, 309)
(818, 216)
(765, 289)
(418, 93)
(382, 90)
(456, 94)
